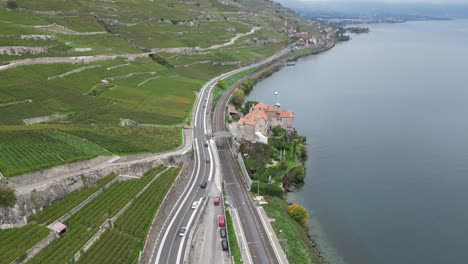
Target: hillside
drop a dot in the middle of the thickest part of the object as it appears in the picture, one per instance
(74, 72)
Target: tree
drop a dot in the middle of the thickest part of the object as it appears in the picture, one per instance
(298, 213)
(238, 97)
(221, 84)
(7, 197)
(12, 4)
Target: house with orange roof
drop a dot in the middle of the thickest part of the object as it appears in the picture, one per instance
(257, 124)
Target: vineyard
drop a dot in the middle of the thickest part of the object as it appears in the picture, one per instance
(62, 206)
(83, 225)
(123, 243)
(16, 241)
(22, 151)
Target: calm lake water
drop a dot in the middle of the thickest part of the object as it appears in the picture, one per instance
(386, 118)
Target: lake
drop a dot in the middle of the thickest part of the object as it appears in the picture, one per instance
(386, 120)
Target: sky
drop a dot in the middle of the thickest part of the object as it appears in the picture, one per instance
(395, 1)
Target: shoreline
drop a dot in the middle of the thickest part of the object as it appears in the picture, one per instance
(265, 72)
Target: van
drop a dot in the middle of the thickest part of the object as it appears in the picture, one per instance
(224, 245)
(221, 222)
(216, 200)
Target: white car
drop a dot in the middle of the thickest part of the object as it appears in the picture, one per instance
(195, 204)
(183, 231)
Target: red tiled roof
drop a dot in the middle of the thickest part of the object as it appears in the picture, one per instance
(259, 112)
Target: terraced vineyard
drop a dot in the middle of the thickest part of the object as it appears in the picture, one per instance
(26, 150)
(123, 243)
(83, 225)
(62, 206)
(16, 241)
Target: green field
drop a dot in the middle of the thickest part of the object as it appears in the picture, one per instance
(83, 225)
(16, 241)
(298, 248)
(128, 84)
(60, 207)
(123, 243)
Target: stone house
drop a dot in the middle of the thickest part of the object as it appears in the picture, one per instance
(257, 124)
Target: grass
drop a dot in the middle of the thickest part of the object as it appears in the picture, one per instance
(15, 242)
(22, 151)
(298, 248)
(132, 140)
(64, 205)
(83, 225)
(233, 244)
(230, 81)
(123, 243)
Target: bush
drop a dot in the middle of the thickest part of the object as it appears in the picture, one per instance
(7, 197)
(238, 97)
(298, 213)
(12, 4)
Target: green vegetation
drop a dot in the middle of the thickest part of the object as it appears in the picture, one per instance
(7, 197)
(128, 83)
(26, 150)
(123, 243)
(233, 245)
(15, 242)
(83, 225)
(226, 83)
(64, 205)
(298, 213)
(293, 236)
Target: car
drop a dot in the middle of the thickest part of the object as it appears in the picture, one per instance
(207, 160)
(222, 232)
(204, 106)
(216, 200)
(195, 204)
(206, 144)
(221, 221)
(183, 231)
(224, 245)
(203, 184)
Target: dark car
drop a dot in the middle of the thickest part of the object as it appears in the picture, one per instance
(206, 144)
(207, 160)
(224, 245)
(222, 232)
(203, 184)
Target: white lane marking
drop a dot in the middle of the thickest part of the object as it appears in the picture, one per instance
(181, 245)
(158, 255)
(212, 162)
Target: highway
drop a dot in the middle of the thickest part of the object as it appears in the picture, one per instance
(170, 247)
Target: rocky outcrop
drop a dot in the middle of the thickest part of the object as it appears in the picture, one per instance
(37, 37)
(261, 41)
(30, 201)
(22, 50)
(40, 119)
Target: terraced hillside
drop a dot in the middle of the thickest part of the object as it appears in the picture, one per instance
(79, 76)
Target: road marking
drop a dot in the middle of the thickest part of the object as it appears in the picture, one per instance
(179, 252)
(158, 255)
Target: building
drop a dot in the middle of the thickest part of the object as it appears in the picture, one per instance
(257, 124)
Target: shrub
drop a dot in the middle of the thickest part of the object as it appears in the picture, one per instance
(12, 4)
(298, 213)
(7, 197)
